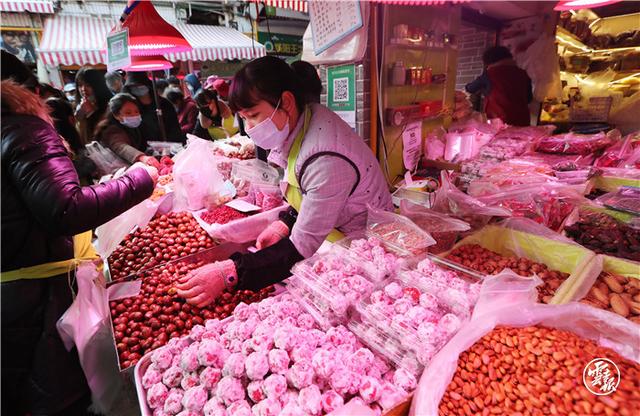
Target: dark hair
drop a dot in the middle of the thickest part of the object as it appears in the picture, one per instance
(119, 100)
(174, 95)
(265, 79)
(309, 78)
(110, 77)
(14, 68)
(204, 97)
(161, 85)
(495, 54)
(173, 80)
(61, 111)
(95, 79)
(47, 91)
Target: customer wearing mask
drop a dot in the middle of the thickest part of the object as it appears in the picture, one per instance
(193, 84)
(185, 107)
(70, 92)
(215, 120)
(47, 218)
(141, 87)
(331, 176)
(92, 97)
(114, 80)
(120, 132)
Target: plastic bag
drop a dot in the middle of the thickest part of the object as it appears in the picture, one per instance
(444, 229)
(434, 144)
(541, 63)
(266, 196)
(86, 324)
(506, 300)
(243, 230)
(196, 176)
(107, 162)
(450, 200)
(626, 199)
(398, 233)
(625, 115)
(577, 144)
(465, 145)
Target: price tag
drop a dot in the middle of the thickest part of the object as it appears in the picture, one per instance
(242, 206)
(412, 145)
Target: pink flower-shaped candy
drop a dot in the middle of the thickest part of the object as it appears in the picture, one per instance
(275, 385)
(331, 401)
(157, 395)
(393, 290)
(323, 363)
(310, 400)
(195, 398)
(267, 407)
(210, 353)
(173, 404)
(255, 391)
(234, 366)
(240, 408)
(278, 361)
(391, 396)
(404, 380)
(257, 365)
(291, 409)
(151, 377)
(172, 376)
(230, 390)
(189, 359)
(300, 375)
(302, 352)
(162, 358)
(189, 380)
(360, 360)
(341, 381)
(209, 377)
(306, 321)
(370, 389)
(214, 408)
(449, 324)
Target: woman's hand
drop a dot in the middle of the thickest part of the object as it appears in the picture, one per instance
(275, 232)
(85, 108)
(153, 172)
(204, 285)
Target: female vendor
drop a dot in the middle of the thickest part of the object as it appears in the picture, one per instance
(330, 173)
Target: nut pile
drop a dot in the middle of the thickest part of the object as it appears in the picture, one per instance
(486, 261)
(603, 234)
(147, 321)
(617, 294)
(165, 238)
(536, 371)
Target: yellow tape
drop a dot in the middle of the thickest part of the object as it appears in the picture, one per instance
(82, 250)
(621, 267)
(611, 184)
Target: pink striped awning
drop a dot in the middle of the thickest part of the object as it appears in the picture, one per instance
(297, 5)
(303, 5)
(419, 2)
(33, 6)
(80, 40)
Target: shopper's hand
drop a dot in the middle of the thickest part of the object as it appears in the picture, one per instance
(85, 108)
(205, 284)
(149, 161)
(153, 172)
(275, 232)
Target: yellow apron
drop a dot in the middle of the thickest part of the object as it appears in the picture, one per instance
(226, 130)
(82, 250)
(293, 194)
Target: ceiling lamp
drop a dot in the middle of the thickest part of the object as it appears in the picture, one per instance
(148, 63)
(150, 34)
(582, 4)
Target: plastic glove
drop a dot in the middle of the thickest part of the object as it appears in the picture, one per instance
(275, 232)
(205, 284)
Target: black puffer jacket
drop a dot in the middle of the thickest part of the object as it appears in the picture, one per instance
(43, 204)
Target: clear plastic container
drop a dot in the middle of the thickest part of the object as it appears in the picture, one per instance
(373, 256)
(316, 303)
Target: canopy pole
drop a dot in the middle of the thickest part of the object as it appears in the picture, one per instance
(163, 133)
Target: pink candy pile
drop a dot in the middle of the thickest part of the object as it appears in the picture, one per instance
(269, 360)
(383, 263)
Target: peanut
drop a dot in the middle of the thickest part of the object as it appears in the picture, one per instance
(530, 384)
(613, 283)
(612, 289)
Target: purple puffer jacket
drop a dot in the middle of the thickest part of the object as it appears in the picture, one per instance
(43, 204)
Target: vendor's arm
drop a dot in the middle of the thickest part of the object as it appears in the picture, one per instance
(328, 181)
(479, 85)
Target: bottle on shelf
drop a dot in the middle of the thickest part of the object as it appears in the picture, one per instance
(398, 74)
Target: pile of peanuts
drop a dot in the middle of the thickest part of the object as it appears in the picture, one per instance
(617, 294)
(536, 371)
(486, 261)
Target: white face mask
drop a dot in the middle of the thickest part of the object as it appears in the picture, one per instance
(132, 122)
(266, 134)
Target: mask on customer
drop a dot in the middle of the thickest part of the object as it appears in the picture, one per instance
(131, 122)
(215, 120)
(266, 134)
(71, 97)
(140, 90)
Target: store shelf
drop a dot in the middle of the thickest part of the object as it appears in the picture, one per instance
(398, 46)
(567, 38)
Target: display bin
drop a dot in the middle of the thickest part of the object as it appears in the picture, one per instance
(558, 254)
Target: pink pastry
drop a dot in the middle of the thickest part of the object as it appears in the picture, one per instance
(151, 377)
(209, 377)
(240, 408)
(172, 376)
(247, 347)
(173, 404)
(229, 390)
(160, 412)
(355, 383)
(210, 353)
(393, 290)
(278, 361)
(323, 363)
(275, 385)
(255, 391)
(331, 401)
(162, 358)
(370, 389)
(290, 396)
(214, 408)
(195, 398)
(189, 359)
(189, 380)
(284, 338)
(391, 396)
(449, 324)
(427, 331)
(404, 380)
(188, 413)
(302, 352)
(243, 311)
(291, 409)
(360, 360)
(157, 395)
(196, 332)
(340, 381)
(267, 407)
(427, 300)
(306, 321)
(380, 297)
(310, 400)
(425, 353)
(300, 375)
(257, 365)
(402, 306)
(234, 366)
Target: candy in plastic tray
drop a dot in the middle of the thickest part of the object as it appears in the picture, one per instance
(318, 305)
(372, 255)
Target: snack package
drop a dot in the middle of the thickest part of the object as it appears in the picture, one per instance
(443, 228)
(398, 232)
(506, 300)
(577, 144)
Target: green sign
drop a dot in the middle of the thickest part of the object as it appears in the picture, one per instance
(281, 45)
(118, 50)
(270, 11)
(341, 94)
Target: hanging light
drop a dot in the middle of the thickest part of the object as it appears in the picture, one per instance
(582, 4)
(148, 63)
(150, 34)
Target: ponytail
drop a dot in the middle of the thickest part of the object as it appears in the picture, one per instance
(308, 76)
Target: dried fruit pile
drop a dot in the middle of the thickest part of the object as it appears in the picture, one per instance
(165, 238)
(486, 261)
(147, 321)
(222, 215)
(617, 294)
(604, 234)
(536, 371)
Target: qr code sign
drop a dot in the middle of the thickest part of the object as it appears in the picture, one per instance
(341, 89)
(118, 47)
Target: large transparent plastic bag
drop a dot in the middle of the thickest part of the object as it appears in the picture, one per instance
(509, 300)
(397, 232)
(107, 162)
(443, 228)
(577, 144)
